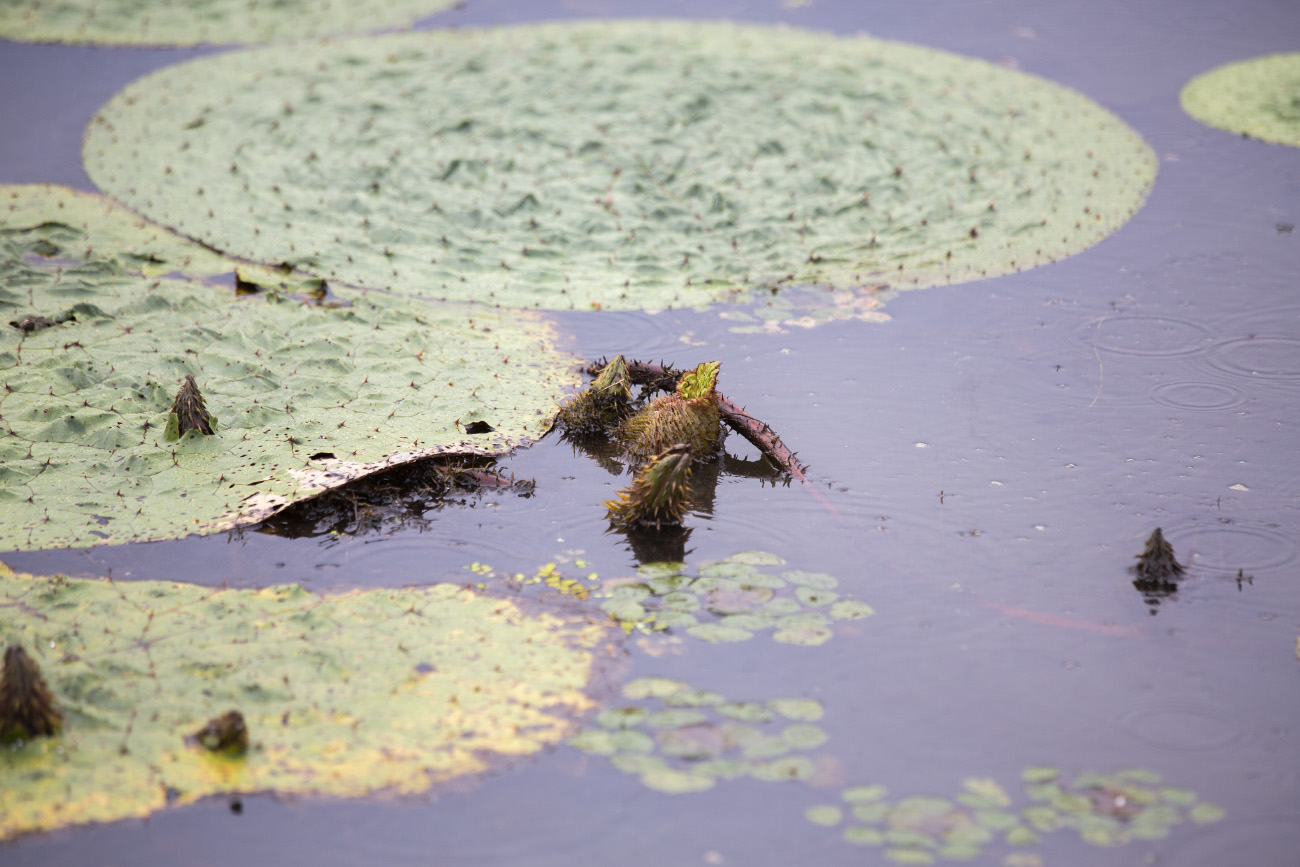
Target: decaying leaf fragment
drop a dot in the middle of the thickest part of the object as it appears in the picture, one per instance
(227, 734)
(602, 404)
(660, 494)
(1156, 563)
(189, 412)
(27, 709)
(689, 416)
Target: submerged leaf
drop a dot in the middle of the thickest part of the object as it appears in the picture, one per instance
(379, 690)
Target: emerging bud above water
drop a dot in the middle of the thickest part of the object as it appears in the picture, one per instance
(660, 494)
(27, 709)
(189, 412)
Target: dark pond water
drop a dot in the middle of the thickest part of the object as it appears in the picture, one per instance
(987, 464)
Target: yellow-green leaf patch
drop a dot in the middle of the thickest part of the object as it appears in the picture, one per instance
(621, 164)
(379, 691)
(307, 396)
(1259, 97)
(194, 22)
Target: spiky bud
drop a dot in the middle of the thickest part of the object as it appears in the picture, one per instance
(27, 709)
(224, 734)
(690, 416)
(660, 494)
(189, 412)
(602, 404)
(1156, 563)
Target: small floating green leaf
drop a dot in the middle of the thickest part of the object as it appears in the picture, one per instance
(803, 709)
(1206, 814)
(826, 815)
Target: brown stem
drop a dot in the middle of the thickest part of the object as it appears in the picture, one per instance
(757, 432)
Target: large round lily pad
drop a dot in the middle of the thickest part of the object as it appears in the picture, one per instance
(622, 165)
(389, 691)
(1259, 97)
(306, 397)
(194, 22)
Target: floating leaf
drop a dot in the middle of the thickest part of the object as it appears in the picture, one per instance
(620, 164)
(826, 815)
(861, 836)
(864, 794)
(757, 558)
(1255, 97)
(850, 609)
(379, 690)
(652, 687)
(1040, 774)
(812, 580)
(311, 397)
(1206, 814)
(676, 782)
(805, 709)
(121, 22)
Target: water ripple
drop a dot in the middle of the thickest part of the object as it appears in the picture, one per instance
(1184, 727)
(1273, 357)
(1191, 396)
(1233, 545)
(1147, 335)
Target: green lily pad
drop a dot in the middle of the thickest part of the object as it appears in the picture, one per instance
(783, 769)
(626, 165)
(676, 782)
(719, 634)
(864, 794)
(379, 690)
(1206, 814)
(802, 709)
(826, 815)
(863, 836)
(850, 609)
(758, 558)
(1255, 97)
(308, 397)
(681, 735)
(121, 22)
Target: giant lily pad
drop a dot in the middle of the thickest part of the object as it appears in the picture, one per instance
(620, 165)
(377, 691)
(307, 397)
(123, 22)
(1259, 97)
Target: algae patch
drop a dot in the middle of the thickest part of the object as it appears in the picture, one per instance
(308, 396)
(379, 691)
(1259, 97)
(622, 165)
(124, 22)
